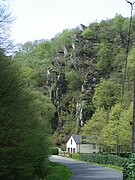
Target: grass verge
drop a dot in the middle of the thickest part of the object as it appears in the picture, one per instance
(58, 172)
(118, 168)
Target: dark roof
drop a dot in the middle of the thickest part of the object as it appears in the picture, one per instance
(77, 138)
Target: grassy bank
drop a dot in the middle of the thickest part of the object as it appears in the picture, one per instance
(58, 172)
(118, 168)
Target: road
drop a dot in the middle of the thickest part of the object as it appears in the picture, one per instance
(85, 171)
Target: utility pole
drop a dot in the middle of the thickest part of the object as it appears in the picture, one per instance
(133, 128)
(117, 140)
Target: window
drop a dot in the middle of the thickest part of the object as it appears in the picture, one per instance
(68, 150)
(73, 150)
(71, 141)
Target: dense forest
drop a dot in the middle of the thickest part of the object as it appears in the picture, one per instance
(86, 81)
(80, 81)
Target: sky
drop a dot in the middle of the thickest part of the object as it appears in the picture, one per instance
(43, 19)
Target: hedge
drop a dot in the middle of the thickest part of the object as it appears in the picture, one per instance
(103, 159)
(129, 168)
(74, 155)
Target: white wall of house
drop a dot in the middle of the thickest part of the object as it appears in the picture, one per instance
(71, 146)
(88, 148)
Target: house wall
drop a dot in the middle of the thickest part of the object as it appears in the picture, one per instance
(88, 148)
(71, 146)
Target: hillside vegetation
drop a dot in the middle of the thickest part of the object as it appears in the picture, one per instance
(84, 81)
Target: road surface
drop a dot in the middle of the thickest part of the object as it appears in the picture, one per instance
(85, 171)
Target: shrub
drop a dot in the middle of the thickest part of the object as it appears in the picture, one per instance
(63, 147)
(125, 155)
(129, 168)
(55, 151)
(75, 155)
(103, 159)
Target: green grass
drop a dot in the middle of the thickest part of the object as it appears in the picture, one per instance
(58, 172)
(118, 168)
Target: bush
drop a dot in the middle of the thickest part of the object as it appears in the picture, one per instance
(75, 155)
(129, 168)
(55, 151)
(103, 159)
(63, 147)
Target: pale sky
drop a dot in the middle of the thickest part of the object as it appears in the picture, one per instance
(43, 19)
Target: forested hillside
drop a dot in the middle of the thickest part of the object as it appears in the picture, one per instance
(84, 81)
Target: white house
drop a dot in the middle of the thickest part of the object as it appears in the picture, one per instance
(75, 145)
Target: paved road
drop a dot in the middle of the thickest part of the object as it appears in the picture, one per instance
(85, 171)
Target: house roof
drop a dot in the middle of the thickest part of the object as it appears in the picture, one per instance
(77, 138)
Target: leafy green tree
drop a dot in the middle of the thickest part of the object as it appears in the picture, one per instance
(27, 47)
(94, 126)
(24, 138)
(74, 79)
(105, 57)
(104, 31)
(44, 105)
(107, 94)
(118, 131)
(87, 33)
(44, 51)
(120, 26)
(91, 32)
(62, 40)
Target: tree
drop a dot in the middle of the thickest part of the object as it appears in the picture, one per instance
(44, 50)
(5, 22)
(120, 26)
(105, 57)
(44, 105)
(27, 47)
(63, 40)
(74, 79)
(117, 133)
(94, 126)
(107, 94)
(87, 33)
(24, 138)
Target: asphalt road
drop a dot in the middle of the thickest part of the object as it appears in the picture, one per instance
(85, 171)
